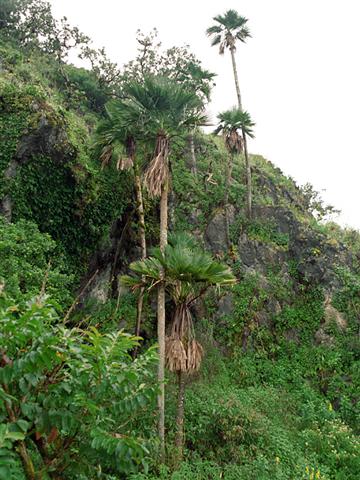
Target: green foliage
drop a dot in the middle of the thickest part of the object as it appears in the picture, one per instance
(305, 314)
(235, 120)
(29, 260)
(176, 63)
(16, 117)
(228, 29)
(76, 389)
(248, 299)
(198, 197)
(62, 190)
(188, 270)
(279, 404)
(261, 430)
(260, 230)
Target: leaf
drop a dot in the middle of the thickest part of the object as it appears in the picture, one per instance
(14, 436)
(23, 425)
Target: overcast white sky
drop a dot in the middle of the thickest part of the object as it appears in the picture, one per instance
(299, 76)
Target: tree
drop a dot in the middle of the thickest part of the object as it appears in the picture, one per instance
(188, 273)
(175, 63)
(120, 129)
(165, 110)
(200, 81)
(230, 28)
(235, 125)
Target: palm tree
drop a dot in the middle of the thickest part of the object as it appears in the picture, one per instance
(165, 110)
(230, 28)
(120, 129)
(188, 273)
(200, 81)
(236, 125)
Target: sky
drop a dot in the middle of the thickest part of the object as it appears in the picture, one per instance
(299, 76)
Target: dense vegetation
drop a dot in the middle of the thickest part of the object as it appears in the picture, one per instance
(262, 375)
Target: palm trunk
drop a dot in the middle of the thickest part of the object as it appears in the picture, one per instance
(141, 218)
(161, 321)
(192, 153)
(248, 180)
(179, 440)
(232, 51)
(226, 198)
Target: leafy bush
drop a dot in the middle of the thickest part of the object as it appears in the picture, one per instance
(74, 397)
(29, 260)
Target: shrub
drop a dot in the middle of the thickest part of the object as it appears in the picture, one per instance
(75, 398)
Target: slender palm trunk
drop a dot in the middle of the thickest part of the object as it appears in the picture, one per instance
(226, 198)
(248, 179)
(179, 440)
(247, 163)
(161, 321)
(232, 51)
(192, 153)
(141, 218)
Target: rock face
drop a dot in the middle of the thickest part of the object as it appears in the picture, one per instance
(310, 251)
(257, 256)
(215, 232)
(47, 137)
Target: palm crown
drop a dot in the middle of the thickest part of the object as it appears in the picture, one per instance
(230, 27)
(117, 134)
(162, 109)
(187, 268)
(188, 272)
(231, 122)
(163, 105)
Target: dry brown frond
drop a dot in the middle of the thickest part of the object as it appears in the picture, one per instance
(195, 353)
(106, 156)
(124, 163)
(157, 172)
(182, 326)
(175, 355)
(234, 142)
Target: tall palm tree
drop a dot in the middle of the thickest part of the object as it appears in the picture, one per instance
(188, 273)
(230, 28)
(236, 125)
(165, 110)
(200, 81)
(120, 128)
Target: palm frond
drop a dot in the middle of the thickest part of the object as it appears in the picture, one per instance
(194, 355)
(216, 40)
(213, 30)
(157, 173)
(233, 121)
(106, 155)
(175, 355)
(230, 27)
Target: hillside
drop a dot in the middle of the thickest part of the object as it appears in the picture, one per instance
(277, 394)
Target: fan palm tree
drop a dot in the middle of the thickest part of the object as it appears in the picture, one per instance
(164, 110)
(201, 81)
(120, 129)
(230, 28)
(235, 126)
(188, 273)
